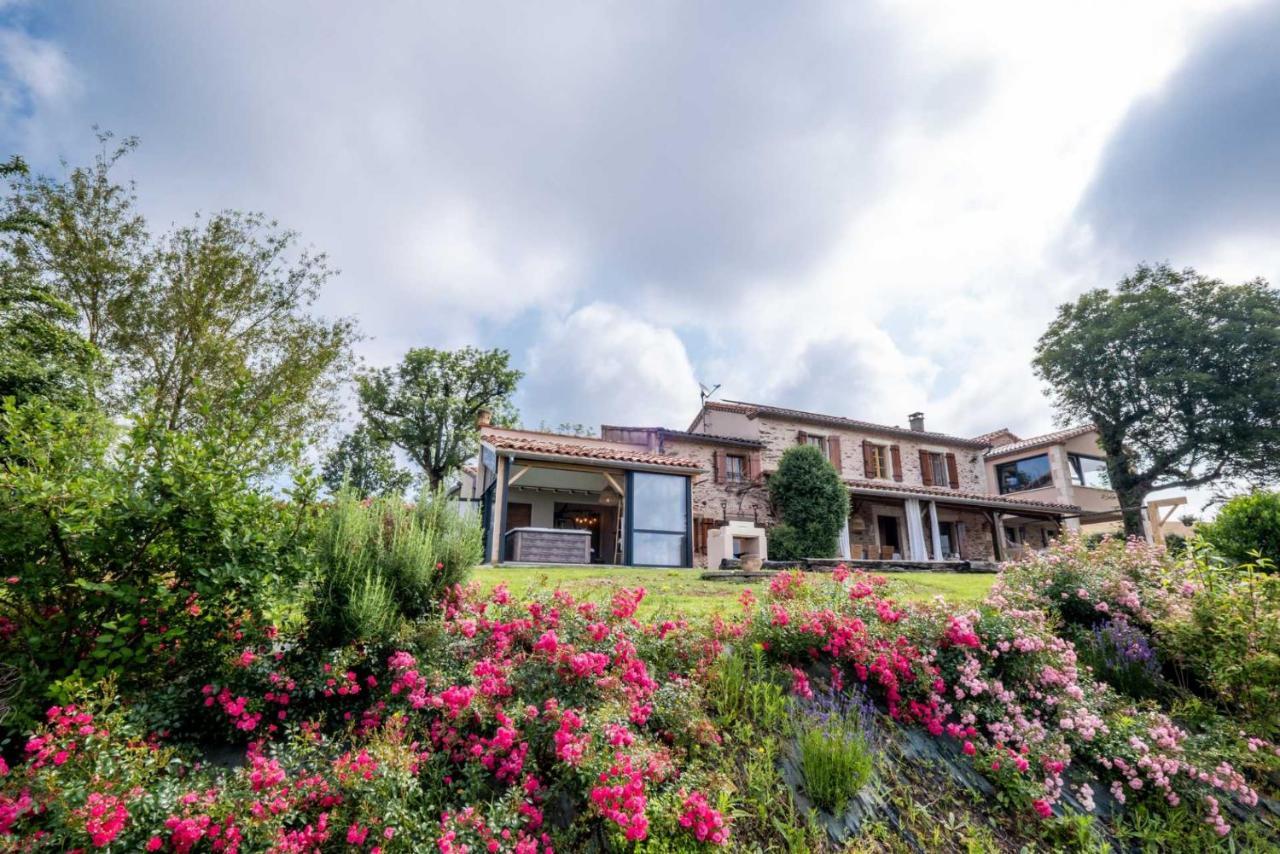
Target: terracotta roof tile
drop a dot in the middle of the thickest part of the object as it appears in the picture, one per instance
(1039, 441)
(977, 497)
(986, 438)
(556, 445)
(754, 409)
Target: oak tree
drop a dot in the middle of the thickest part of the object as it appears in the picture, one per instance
(1179, 373)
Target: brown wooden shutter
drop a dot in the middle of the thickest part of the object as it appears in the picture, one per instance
(802, 437)
(926, 470)
(896, 453)
(717, 461)
(953, 472)
(833, 451)
(753, 464)
(868, 460)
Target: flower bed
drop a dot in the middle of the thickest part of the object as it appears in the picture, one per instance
(531, 726)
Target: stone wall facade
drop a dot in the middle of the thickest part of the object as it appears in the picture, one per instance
(779, 434)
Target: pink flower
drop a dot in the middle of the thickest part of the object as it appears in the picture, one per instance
(969, 749)
(356, 834)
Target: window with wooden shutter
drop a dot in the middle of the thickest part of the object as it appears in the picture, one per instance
(896, 453)
(754, 466)
(868, 460)
(802, 438)
(717, 463)
(735, 468)
(953, 471)
(833, 452)
(926, 469)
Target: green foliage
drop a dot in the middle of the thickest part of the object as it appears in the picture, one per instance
(1246, 527)
(1229, 641)
(429, 403)
(132, 555)
(835, 757)
(382, 562)
(743, 689)
(1178, 373)
(812, 502)
(41, 352)
(365, 465)
(211, 316)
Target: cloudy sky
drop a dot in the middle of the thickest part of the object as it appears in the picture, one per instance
(862, 208)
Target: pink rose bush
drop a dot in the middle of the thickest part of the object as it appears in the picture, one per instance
(511, 712)
(1011, 692)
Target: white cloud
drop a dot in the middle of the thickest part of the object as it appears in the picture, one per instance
(603, 365)
(862, 208)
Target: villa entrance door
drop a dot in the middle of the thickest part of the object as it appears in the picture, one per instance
(889, 542)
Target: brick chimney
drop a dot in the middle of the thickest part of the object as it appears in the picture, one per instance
(917, 421)
(484, 417)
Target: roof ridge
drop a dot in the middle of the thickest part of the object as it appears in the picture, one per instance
(872, 425)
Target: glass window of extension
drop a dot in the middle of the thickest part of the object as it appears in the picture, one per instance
(659, 519)
(1031, 473)
(1088, 471)
(819, 442)
(735, 468)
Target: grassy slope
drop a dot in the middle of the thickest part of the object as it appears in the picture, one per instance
(681, 591)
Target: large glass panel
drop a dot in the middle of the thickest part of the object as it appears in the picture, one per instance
(658, 503)
(1031, 473)
(1089, 471)
(650, 549)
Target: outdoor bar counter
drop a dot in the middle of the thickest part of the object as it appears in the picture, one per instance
(549, 545)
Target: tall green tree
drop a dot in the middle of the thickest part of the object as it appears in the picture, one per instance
(93, 251)
(365, 466)
(216, 311)
(227, 307)
(42, 354)
(428, 404)
(1180, 374)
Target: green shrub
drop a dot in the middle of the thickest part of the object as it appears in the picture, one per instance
(832, 737)
(381, 562)
(1229, 642)
(137, 556)
(1246, 526)
(812, 502)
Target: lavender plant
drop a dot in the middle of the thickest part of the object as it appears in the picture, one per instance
(1120, 653)
(835, 734)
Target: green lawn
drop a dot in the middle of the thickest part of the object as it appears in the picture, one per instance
(681, 591)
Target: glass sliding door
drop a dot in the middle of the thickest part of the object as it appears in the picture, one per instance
(658, 520)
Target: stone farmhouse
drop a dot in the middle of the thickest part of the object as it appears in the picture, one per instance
(654, 496)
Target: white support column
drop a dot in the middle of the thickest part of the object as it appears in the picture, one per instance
(915, 530)
(845, 551)
(934, 531)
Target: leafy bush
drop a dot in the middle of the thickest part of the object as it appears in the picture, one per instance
(138, 556)
(812, 502)
(382, 562)
(1246, 526)
(1229, 641)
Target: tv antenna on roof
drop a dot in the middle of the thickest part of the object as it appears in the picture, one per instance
(707, 391)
